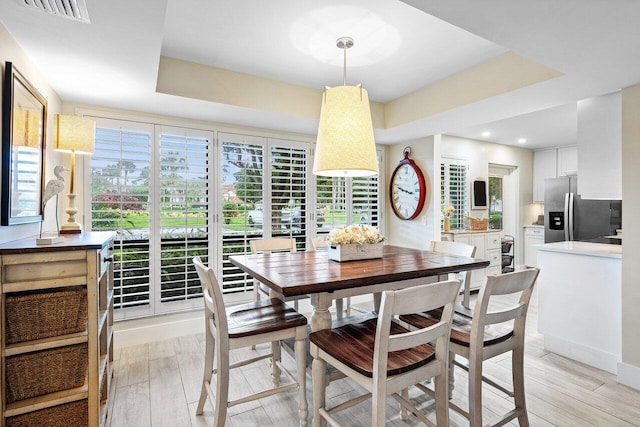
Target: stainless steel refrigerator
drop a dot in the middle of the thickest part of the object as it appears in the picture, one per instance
(568, 217)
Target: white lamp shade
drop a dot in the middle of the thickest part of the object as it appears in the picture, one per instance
(74, 134)
(345, 144)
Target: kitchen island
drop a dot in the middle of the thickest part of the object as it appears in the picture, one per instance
(579, 293)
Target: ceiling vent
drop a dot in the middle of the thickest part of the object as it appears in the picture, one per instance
(72, 9)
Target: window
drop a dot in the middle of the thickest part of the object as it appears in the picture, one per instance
(171, 194)
(157, 202)
(495, 202)
(453, 190)
(264, 204)
(344, 201)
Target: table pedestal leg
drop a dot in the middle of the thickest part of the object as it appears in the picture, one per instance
(321, 317)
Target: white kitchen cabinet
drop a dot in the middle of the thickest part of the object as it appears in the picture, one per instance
(567, 161)
(487, 243)
(544, 166)
(600, 147)
(552, 163)
(533, 235)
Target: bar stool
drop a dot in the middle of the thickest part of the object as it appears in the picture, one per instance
(486, 335)
(384, 357)
(267, 245)
(460, 249)
(267, 321)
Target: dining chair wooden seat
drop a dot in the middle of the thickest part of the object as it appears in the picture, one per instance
(486, 335)
(384, 357)
(259, 322)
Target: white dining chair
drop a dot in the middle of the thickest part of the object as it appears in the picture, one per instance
(488, 334)
(383, 357)
(270, 245)
(266, 321)
(460, 249)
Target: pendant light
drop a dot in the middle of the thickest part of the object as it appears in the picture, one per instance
(345, 144)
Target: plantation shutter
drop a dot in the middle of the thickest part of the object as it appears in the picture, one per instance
(345, 201)
(243, 191)
(454, 181)
(288, 190)
(183, 193)
(120, 193)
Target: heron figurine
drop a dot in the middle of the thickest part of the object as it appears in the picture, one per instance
(53, 188)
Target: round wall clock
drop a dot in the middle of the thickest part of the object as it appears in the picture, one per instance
(407, 189)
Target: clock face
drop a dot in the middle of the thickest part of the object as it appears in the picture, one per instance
(408, 191)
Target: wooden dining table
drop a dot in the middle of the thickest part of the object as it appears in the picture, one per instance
(313, 273)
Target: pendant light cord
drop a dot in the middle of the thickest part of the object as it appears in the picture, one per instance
(344, 73)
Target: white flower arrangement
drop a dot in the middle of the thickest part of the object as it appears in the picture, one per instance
(448, 211)
(355, 234)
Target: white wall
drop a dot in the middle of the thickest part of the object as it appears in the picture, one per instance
(480, 154)
(11, 51)
(419, 232)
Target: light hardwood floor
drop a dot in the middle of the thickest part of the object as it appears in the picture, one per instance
(158, 384)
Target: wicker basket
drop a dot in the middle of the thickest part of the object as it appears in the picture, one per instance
(478, 223)
(39, 315)
(46, 371)
(69, 414)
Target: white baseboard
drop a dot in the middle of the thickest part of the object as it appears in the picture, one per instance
(146, 330)
(158, 328)
(629, 375)
(587, 355)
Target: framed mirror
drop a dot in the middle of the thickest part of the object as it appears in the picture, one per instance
(24, 121)
(479, 194)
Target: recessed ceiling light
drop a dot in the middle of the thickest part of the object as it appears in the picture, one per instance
(522, 140)
(486, 133)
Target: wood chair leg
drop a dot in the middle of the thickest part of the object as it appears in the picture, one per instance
(339, 308)
(442, 399)
(475, 391)
(275, 369)
(301, 366)
(378, 406)
(450, 373)
(222, 390)
(404, 414)
(517, 369)
(318, 374)
(208, 372)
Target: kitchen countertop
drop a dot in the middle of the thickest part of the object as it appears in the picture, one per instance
(583, 248)
(463, 231)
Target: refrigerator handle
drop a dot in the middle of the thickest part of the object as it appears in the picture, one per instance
(571, 236)
(566, 217)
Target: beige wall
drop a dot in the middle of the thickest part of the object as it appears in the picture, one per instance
(10, 51)
(631, 227)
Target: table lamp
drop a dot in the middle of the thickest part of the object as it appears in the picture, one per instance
(75, 135)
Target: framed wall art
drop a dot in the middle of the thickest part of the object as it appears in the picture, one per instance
(24, 123)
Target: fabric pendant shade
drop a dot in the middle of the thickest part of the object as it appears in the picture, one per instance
(345, 145)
